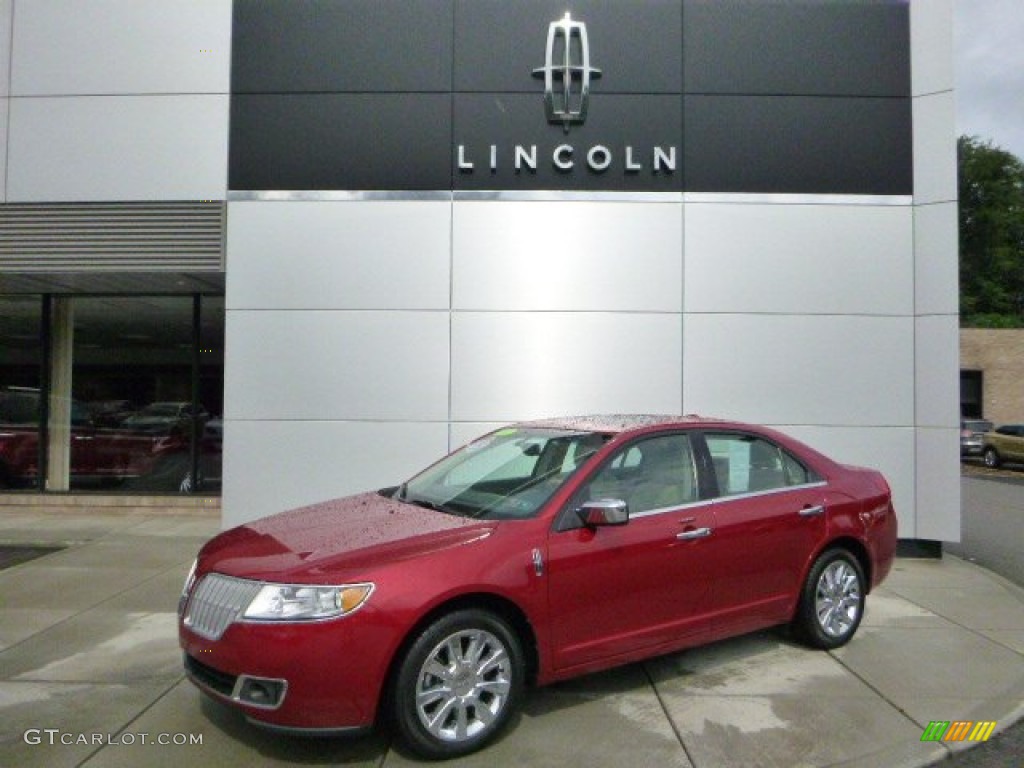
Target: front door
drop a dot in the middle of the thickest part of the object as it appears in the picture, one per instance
(619, 589)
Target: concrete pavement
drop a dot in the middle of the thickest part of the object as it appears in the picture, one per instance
(89, 663)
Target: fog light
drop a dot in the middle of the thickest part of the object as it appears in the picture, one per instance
(262, 692)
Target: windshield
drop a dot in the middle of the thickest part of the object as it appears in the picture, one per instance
(505, 475)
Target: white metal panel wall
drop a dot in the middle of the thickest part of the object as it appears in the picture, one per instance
(103, 47)
(337, 372)
(6, 17)
(275, 465)
(799, 259)
(936, 259)
(936, 293)
(352, 344)
(95, 148)
(567, 256)
(337, 365)
(6, 11)
(836, 368)
(118, 100)
(842, 370)
(339, 255)
(931, 46)
(508, 366)
(4, 110)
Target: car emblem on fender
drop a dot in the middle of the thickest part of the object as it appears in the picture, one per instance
(567, 66)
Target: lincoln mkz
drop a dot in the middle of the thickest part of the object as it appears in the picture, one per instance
(539, 552)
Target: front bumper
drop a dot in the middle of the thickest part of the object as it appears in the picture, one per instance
(303, 676)
(259, 692)
(970, 449)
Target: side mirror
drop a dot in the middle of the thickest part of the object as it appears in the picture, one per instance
(603, 512)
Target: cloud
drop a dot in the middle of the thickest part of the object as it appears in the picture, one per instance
(989, 66)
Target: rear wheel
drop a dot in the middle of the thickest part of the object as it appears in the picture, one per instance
(458, 685)
(832, 600)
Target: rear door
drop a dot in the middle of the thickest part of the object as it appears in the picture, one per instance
(770, 517)
(614, 590)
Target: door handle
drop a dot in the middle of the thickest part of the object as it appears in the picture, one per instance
(696, 533)
(812, 511)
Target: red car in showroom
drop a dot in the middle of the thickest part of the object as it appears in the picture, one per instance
(538, 552)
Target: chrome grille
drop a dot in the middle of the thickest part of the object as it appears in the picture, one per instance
(216, 602)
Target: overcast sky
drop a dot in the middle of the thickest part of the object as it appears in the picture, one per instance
(988, 39)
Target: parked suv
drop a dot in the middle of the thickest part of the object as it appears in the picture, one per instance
(1004, 444)
(971, 433)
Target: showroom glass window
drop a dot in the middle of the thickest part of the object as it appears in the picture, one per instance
(146, 393)
(20, 382)
(115, 394)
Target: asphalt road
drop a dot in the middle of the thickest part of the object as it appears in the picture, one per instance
(992, 535)
(992, 522)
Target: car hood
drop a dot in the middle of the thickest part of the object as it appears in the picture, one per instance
(335, 539)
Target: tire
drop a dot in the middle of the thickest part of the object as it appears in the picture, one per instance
(992, 459)
(831, 601)
(458, 685)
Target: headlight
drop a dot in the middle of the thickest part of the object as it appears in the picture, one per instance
(189, 581)
(296, 602)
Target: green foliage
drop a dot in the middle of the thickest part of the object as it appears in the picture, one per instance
(991, 188)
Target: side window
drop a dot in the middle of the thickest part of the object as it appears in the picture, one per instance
(796, 473)
(748, 464)
(657, 473)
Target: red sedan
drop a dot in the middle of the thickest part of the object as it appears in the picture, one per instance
(541, 551)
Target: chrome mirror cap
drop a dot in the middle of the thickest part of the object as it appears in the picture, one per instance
(604, 512)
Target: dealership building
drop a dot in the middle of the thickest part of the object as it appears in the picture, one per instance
(282, 250)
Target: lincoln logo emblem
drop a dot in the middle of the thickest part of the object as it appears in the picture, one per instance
(567, 69)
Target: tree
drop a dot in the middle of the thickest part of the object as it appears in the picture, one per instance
(991, 189)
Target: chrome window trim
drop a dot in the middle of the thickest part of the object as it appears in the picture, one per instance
(758, 198)
(556, 195)
(771, 491)
(334, 195)
(721, 499)
(666, 510)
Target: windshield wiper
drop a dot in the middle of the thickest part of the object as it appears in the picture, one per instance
(427, 504)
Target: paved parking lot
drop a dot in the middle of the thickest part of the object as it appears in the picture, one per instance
(90, 664)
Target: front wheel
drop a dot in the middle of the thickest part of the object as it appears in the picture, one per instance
(991, 458)
(458, 685)
(832, 600)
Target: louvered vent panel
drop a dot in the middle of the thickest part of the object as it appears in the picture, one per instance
(139, 237)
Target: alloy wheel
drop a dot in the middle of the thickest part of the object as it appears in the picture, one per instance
(463, 685)
(837, 599)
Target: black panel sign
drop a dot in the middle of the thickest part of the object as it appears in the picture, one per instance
(798, 144)
(325, 46)
(787, 48)
(505, 143)
(605, 95)
(637, 46)
(340, 141)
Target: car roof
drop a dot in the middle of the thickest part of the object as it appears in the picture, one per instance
(617, 423)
